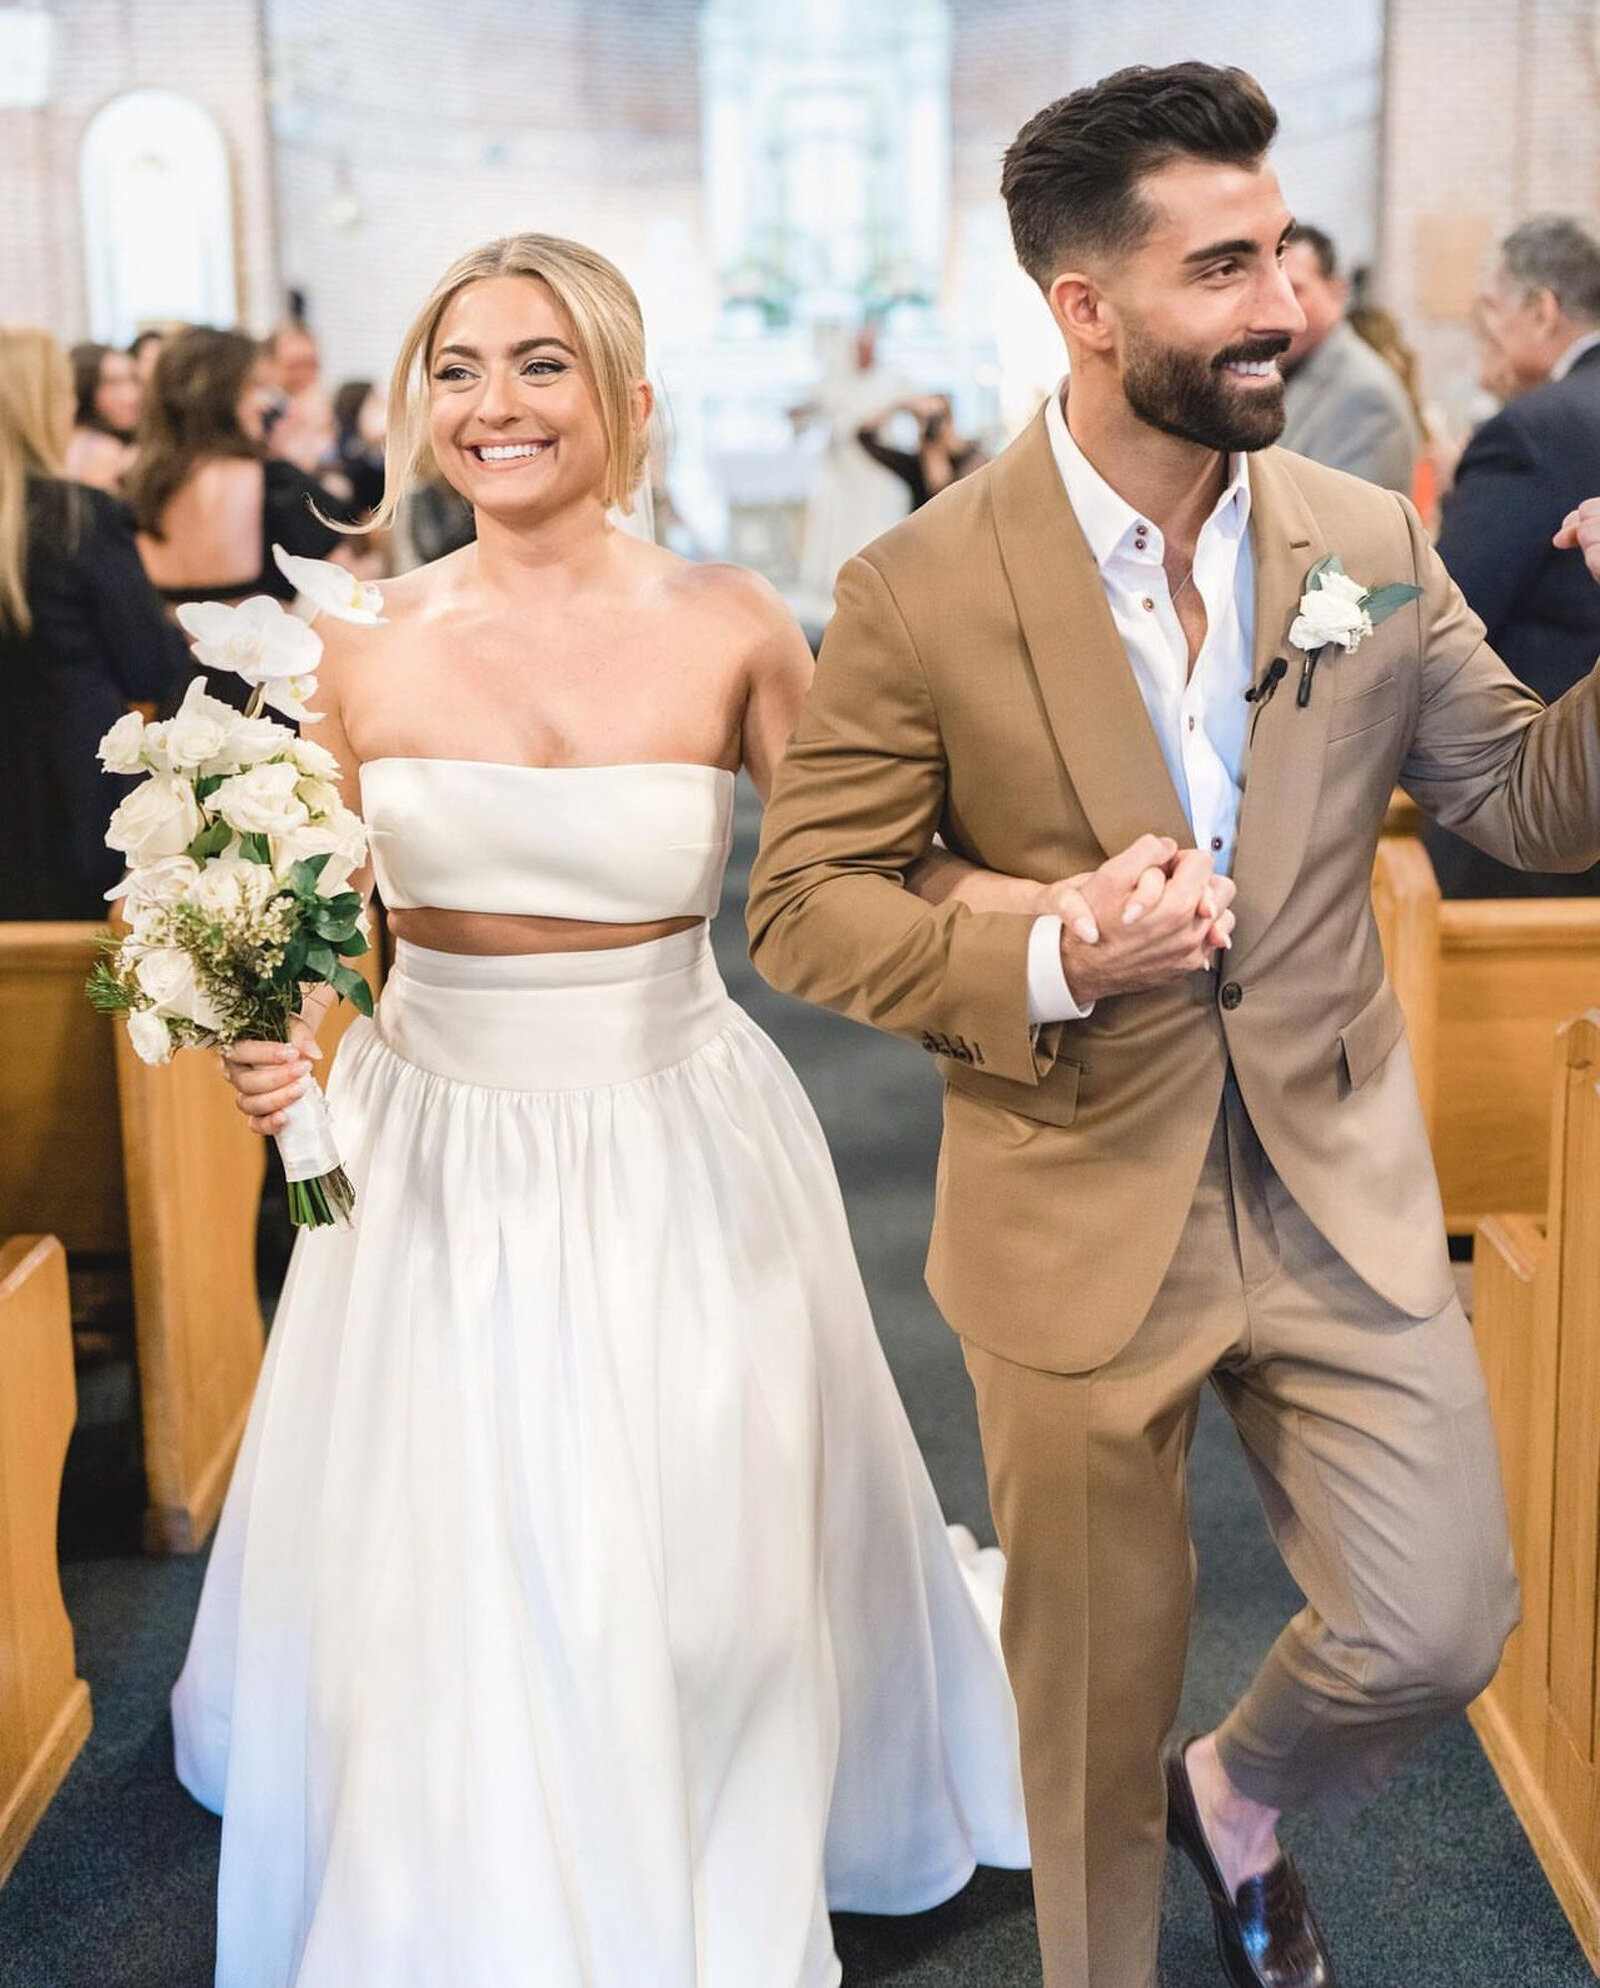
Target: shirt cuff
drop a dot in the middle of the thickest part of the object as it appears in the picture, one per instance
(1050, 999)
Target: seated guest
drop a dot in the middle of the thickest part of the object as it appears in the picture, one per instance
(941, 456)
(1345, 406)
(209, 501)
(82, 636)
(1518, 477)
(107, 392)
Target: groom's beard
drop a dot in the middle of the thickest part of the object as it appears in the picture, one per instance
(1194, 399)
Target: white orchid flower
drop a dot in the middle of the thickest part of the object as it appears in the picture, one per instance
(258, 640)
(288, 694)
(331, 589)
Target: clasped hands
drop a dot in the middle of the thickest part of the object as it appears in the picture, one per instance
(1147, 914)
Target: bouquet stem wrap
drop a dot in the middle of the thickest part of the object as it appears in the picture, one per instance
(319, 1189)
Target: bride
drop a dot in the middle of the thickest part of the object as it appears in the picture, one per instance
(582, 1615)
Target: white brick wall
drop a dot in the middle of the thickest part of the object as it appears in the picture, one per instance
(403, 131)
(208, 49)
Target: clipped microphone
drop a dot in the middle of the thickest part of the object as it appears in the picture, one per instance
(1258, 693)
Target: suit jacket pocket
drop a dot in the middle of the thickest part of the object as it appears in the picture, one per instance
(1052, 1101)
(1365, 711)
(1371, 1033)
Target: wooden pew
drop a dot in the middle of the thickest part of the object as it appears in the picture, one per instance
(1484, 983)
(44, 1704)
(153, 1165)
(1536, 1318)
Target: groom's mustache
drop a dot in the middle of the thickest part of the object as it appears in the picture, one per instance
(1252, 353)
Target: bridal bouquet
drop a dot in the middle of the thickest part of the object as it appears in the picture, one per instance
(239, 852)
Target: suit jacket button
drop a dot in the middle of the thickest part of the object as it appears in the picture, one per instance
(1232, 994)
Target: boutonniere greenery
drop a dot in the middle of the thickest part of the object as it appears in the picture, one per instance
(1338, 612)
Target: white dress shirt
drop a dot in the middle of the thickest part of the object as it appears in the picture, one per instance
(1573, 354)
(1200, 716)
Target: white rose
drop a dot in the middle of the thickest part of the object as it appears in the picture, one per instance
(198, 731)
(263, 800)
(122, 747)
(167, 975)
(148, 1033)
(159, 818)
(253, 740)
(229, 884)
(320, 796)
(342, 838)
(330, 589)
(314, 761)
(258, 640)
(157, 883)
(1331, 612)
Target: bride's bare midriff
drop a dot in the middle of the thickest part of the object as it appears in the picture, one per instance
(499, 932)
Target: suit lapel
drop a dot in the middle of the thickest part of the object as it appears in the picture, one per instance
(1285, 767)
(1091, 697)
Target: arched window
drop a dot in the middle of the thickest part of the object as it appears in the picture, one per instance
(158, 216)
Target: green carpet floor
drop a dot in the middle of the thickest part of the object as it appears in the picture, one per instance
(1433, 1887)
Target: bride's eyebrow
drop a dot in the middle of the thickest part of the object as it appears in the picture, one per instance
(516, 351)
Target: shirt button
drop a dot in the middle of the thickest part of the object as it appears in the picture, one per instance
(1232, 994)
(1216, 844)
(1191, 722)
(1148, 604)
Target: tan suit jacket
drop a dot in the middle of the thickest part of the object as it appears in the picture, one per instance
(972, 683)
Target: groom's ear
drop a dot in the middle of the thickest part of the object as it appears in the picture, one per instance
(1079, 307)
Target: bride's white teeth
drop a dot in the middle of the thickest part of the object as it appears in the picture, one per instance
(508, 451)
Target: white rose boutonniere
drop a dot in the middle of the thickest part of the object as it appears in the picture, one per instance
(1336, 611)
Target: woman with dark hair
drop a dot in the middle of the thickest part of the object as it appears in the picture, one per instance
(942, 455)
(359, 417)
(209, 501)
(106, 392)
(82, 637)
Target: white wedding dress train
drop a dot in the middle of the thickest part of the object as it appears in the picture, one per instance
(582, 1615)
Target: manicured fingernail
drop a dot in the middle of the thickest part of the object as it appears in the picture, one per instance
(288, 1053)
(1133, 913)
(314, 1050)
(1087, 930)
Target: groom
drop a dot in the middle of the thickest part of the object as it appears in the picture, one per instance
(1167, 1159)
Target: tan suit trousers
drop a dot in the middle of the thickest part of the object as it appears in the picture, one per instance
(1369, 1438)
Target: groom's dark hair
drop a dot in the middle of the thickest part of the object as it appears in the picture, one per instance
(1071, 178)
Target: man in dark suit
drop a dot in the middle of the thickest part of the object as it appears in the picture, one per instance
(1521, 474)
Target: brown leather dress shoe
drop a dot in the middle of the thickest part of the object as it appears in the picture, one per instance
(1267, 1936)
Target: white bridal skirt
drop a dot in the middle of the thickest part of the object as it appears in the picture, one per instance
(582, 1615)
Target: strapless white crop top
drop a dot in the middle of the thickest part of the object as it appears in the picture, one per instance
(615, 845)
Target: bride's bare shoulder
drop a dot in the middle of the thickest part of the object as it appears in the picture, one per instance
(743, 601)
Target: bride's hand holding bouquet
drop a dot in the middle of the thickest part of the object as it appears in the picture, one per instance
(240, 922)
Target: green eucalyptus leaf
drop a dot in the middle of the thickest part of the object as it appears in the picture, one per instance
(353, 945)
(210, 841)
(1382, 601)
(321, 962)
(303, 877)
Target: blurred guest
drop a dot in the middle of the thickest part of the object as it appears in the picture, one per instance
(359, 412)
(1518, 477)
(853, 499)
(82, 636)
(434, 519)
(209, 501)
(1381, 330)
(941, 456)
(106, 391)
(1345, 407)
(146, 350)
(305, 432)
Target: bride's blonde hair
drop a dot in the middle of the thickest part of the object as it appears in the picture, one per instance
(607, 325)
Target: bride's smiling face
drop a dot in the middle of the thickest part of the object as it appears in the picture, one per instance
(512, 417)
